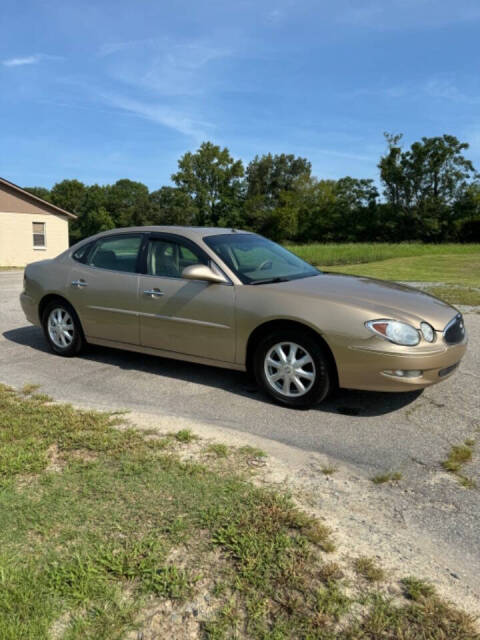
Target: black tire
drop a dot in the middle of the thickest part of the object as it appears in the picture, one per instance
(77, 342)
(320, 367)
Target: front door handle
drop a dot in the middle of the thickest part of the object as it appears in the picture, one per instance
(153, 293)
(79, 283)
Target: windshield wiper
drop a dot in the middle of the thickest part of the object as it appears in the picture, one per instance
(270, 280)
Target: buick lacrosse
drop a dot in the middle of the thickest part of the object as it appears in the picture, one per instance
(234, 299)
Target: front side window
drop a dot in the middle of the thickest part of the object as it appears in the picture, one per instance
(39, 239)
(168, 258)
(256, 260)
(119, 253)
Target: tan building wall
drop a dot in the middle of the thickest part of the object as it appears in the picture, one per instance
(18, 212)
(16, 237)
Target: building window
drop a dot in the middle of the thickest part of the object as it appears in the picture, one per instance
(39, 241)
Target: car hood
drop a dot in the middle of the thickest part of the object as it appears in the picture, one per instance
(379, 298)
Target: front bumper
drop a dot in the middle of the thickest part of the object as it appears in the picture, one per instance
(365, 366)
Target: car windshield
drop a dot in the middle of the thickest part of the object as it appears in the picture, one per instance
(256, 260)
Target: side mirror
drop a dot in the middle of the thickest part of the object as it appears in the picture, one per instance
(202, 272)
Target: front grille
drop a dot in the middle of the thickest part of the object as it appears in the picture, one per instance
(454, 332)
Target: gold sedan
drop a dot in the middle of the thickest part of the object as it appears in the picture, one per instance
(234, 299)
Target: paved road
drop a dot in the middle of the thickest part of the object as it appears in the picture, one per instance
(371, 432)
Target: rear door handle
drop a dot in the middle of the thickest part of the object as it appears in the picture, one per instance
(153, 293)
(79, 283)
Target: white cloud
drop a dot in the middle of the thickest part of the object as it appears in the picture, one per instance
(18, 62)
(167, 67)
(172, 118)
(26, 60)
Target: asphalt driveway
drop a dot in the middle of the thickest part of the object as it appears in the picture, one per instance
(370, 432)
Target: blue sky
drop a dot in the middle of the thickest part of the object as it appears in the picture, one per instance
(101, 90)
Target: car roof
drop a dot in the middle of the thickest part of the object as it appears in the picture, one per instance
(188, 232)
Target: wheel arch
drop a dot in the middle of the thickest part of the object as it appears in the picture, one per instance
(52, 297)
(275, 325)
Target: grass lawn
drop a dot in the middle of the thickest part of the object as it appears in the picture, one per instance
(450, 269)
(360, 252)
(456, 266)
(100, 524)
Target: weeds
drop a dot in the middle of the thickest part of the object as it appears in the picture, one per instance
(368, 569)
(218, 450)
(328, 471)
(415, 589)
(382, 478)
(185, 435)
(458, 456)
(251, 452)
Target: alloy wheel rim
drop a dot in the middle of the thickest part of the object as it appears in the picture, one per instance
(289, 369)
(60, 327)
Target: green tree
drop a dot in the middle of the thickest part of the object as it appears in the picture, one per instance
(94, 216)
(212, 178)
(317, 216)
(338, 210)
(127, 203)
(356, 210)
(274, 192)
(423, 183)
(94, 221)
(170, 205)
(467, 215)
(269, 176)
(40, 192)
(69, 195)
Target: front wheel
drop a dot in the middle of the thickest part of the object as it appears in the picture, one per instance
(293, 369)
(62, 329)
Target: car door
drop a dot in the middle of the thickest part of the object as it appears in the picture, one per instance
(103, 288)
(191, 317)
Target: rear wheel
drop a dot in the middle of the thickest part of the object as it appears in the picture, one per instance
(62, 328)
(292, 368)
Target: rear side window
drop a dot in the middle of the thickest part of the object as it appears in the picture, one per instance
(119, 253)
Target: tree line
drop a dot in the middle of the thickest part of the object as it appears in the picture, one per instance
(429, 192)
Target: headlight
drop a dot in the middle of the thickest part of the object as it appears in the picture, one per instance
(428, 331)
(395, 331)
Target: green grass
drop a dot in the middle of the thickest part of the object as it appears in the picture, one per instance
(251, 452)
(328, 471)
(184, 435)
(383, 478)
(361, 252)
(100, 523)
(450, 264)
(368, 569)
(449, 269)
(456, 294)
(458, 456)
(218, 449)
(415, 589)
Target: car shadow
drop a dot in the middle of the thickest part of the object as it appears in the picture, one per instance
(343, 401)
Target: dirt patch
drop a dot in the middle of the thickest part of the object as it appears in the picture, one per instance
(57, 460)
(162, 619)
